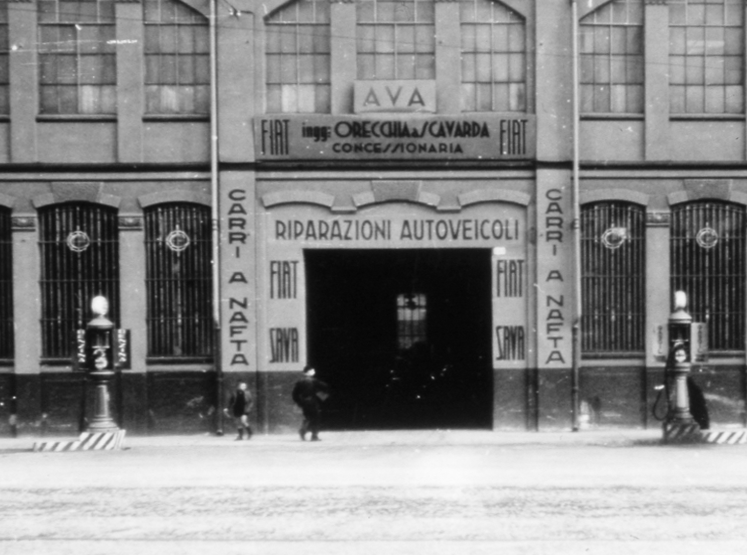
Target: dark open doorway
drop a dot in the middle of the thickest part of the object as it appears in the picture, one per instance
(402, 336)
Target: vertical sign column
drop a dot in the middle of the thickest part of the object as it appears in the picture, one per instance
(237, 276)
(554, 270)
(509, 293)
(283, 285)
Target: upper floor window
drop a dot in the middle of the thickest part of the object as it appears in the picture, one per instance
(396, 39)
(612, 276)
(179, 280)
(79, 252)
(4, 60)
(77, 57)
(297, 58)
(493, 57)
(177, 59)
(611, 59)
(708, 263)
(6, 285)
(706, 56)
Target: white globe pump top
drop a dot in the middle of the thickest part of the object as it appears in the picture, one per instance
(99, 305)
(680, 300)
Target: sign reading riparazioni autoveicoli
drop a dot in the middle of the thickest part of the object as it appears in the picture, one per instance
(493, 137)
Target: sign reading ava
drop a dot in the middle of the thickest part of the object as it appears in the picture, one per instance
(394, 96)
(482, 137)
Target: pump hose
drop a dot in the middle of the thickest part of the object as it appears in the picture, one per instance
(665, 391)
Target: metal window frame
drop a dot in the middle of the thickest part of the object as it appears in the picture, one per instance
(179, 283)
(613, 280)
(713, 277)
(68, 279)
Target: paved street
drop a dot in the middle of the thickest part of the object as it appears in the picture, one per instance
(375, 492)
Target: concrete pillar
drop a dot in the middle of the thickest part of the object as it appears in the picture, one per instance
(27, 316)
(448, 58)
(657, 302)
(133, 313)
(24, 93)
(656, 56)
(237, 103)
(555, 302)
(130, 82)
(554, 87)
(343, 66)
(238, 303)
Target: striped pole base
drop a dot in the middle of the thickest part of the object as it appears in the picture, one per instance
(691, 433)
(678, 432)
(726, 437)
(97, 441)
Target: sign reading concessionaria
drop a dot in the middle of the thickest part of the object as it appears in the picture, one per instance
(479, 137)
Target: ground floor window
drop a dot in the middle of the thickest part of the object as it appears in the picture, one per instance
(613, 278)
(79, 260)
(179, 280)
(708, 263)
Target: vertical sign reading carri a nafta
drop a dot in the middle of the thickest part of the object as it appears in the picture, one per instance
(554, 271)
(238, 335)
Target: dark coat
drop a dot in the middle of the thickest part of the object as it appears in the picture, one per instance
(240, 403)
(305, 392)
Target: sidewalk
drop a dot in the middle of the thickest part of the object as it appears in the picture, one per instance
(622, 437)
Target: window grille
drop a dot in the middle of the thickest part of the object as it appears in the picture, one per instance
(613, 279)
(297, 58)
(493, 57)
(706, 56)
(77, 57)
(611, 58)
(179, 281)
(177, 59)
(411, 320)
(4, 60)
(6, 285)
(708, 263)
(79, 260)
(396, 39)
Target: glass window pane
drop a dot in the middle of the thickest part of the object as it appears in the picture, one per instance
(694, 100)
(714, 100)
(677, 99)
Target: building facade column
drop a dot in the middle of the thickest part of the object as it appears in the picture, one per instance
(133, 317)
(27, 316)
(130, 81)
(656, 56)
(24, 90)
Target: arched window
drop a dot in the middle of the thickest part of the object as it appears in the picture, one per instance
(706, 56)
(297, 58)
(177, 59)
(79, 260)
(396, 39)
(6, 285)
(611, 59)
(493, 57)
(179, 280)
(77, 57)
(708, 263)
(613, 278)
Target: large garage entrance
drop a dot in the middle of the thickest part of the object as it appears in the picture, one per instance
(402, 336)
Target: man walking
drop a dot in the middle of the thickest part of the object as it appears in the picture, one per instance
(239, 406)
(306, 395)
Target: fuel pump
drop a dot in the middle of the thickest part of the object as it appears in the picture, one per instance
(680, 360)
(687, 344)
(100, 360)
